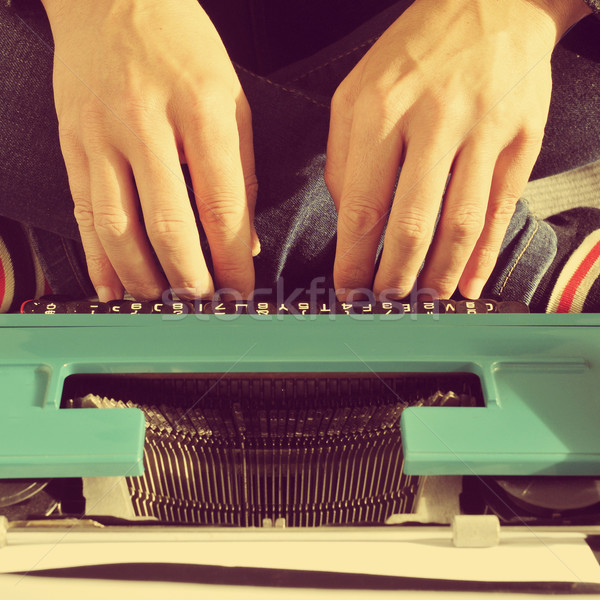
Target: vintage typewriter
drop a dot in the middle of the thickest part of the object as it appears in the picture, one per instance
(300, 417)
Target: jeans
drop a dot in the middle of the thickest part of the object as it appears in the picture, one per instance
(295, 216)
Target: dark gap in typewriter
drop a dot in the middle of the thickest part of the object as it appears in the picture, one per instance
(241, 449)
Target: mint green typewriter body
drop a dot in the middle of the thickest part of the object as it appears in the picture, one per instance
(540, 377)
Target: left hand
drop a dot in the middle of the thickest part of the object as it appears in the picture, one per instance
(451, 87)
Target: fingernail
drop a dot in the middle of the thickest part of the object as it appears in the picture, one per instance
(105, 294)
(255, 245)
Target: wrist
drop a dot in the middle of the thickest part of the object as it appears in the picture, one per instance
(564, 13)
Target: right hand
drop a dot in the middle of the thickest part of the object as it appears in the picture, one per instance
(141, 87)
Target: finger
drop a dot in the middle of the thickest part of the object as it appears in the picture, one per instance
(338, 142)
(244, 120)
(168, 216)
(117, 224)
(413, 215)
(373, 159)
(462, 219)
(102, 274)
(511, 173)
(212, 147)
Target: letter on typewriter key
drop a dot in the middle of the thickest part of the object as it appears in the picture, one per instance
(298, 308)
(471, 307)
(491, 305)
(434, 307)
(218, 307)
(87, 307)
(392, 307)
(171, 307)
(357, 307)
(261, 308)
(129, 307)
(43, 307)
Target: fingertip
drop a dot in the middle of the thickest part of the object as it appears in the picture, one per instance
(472, 288)
(341, 294)
(197, 290)
(106, 293)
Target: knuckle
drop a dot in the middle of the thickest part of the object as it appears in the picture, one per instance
(167, 231)
(138, 116)
(359, 215)
(91, 114)
(209, 106)
(381, 102)
(411, 230)
(501, 212)
(111, 224)
(465, 225)
(220, 210)
(532, 135)
(442, 108)
(83, 215)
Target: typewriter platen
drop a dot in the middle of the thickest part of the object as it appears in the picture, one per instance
(304, 420)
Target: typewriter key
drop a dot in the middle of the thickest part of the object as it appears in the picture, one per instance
(471, 307)
(434, 307)
(261, 308)
(87, 308)
(43, 307)
(129, 307)
(219, 307)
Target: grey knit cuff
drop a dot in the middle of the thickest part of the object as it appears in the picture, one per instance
(594, 5)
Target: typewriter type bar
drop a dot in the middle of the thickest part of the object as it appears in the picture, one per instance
(539, 377)
(237, 449)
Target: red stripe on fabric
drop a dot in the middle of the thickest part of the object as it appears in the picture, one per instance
(568, 295)
(2, 282)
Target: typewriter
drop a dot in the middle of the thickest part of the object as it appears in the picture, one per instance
(454, 425)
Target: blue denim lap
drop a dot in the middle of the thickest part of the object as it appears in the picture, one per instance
(527, 252)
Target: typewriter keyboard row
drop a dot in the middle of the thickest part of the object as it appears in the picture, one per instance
(53, 305)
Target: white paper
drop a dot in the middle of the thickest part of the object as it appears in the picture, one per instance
(518, 557)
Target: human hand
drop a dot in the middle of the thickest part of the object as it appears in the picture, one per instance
(451, 87)
(141, 87)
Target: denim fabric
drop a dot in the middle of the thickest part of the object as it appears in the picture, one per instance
(295, 217)
(527, 252)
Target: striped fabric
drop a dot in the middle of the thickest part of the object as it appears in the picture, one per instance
(7, 278)
(579, 275)
(41, 285)
(21, 276)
